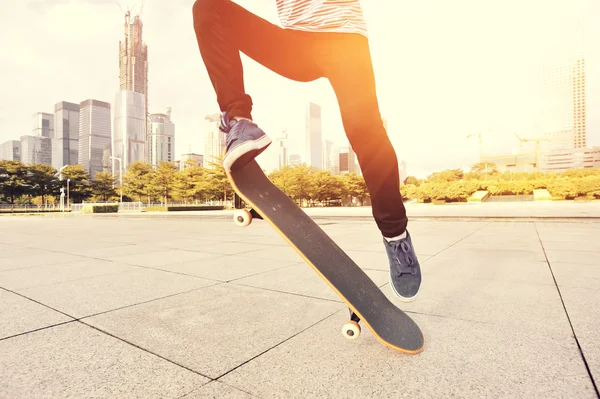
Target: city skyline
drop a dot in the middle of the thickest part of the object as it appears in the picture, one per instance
(440, 90)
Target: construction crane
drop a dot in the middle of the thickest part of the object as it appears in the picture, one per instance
(537, 142)
(478, 134)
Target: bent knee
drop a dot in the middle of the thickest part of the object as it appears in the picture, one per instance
(206, 8)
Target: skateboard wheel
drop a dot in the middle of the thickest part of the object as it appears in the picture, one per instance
(351, 330)
(242, 217)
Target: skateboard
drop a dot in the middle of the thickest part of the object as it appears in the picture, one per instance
(366, 302)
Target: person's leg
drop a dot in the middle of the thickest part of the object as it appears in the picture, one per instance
(350, 72)
(223, 29)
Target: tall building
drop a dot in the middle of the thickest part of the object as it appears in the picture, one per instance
(343, 160)
(214, 144)
(562, 99)
(129, 132)
(43, 125)
(133, 59)
(571, 158)
(402, 172)
(190, 160)
(10, 151)
(314, 143)
(161, 139)
(279, 145)
(36, 150)
(65, 144)
(327, 152)
(94, 135)
(294, 159)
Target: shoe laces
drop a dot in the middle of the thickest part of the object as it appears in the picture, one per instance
(404, 255)
(225, 125)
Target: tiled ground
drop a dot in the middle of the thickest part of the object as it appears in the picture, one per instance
(199, 308)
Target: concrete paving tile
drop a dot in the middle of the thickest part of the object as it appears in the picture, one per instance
(233, 248)
(121, 250)
(226, 267)
(190, 244)
(508, 305)
(375, 260)
(36, 257)
(217, 390)
(76, 361)
(584, 258)
(215, 329)
(489, 264)
(301, 279)
(20, 315)
(577, 275)
(103, 293)
(503, 242)
(162, 258)
(583, 306)
(424, 245)
(74, 245)
(285, 253)
(57, 273)
(586, 246)
(461, 359)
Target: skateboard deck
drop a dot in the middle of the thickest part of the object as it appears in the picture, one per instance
(390, 325)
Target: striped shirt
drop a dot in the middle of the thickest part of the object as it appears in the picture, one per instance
(322, 15)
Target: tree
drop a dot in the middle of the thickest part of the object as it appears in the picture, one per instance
(326, 187)
(137, 181)
(164, 179)
(42, 180)
(192, 183)
(356, 187)
(219, 186)
(484, 168)
(446, 176)
(411, 180)
(103, 186)
(80, 187)
(13, 180)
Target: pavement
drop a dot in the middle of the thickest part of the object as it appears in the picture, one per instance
(176, 307)
(533, 210)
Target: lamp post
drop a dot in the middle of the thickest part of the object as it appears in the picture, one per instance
(120, 176)
(68, 202)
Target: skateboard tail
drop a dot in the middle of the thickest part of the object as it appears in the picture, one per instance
(291, 244)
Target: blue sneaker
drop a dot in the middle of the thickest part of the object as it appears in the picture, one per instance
(405, 271)
(245, 140)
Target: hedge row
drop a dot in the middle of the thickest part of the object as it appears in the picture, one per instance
(565, 188)
(184, 208)
(100, 209)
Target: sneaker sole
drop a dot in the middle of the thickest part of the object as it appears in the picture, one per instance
(245, 152)
(403, 298)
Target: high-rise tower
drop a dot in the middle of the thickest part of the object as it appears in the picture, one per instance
(133, 59)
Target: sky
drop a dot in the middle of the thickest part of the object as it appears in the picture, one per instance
(443, 70)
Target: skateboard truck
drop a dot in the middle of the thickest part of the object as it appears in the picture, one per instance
(242, 216)
(351, 330)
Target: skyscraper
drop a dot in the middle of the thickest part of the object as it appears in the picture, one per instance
(314, 143)
(36, 150)
(129, 132)
(65, 144)
(161, 139)
(327, 155)
(214, 144)
(133, 59)
(43, 125)
(562, 98)
(94, 134)
(10, 151)
(343, 160)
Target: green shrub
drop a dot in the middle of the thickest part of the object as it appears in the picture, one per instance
(100, 208)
